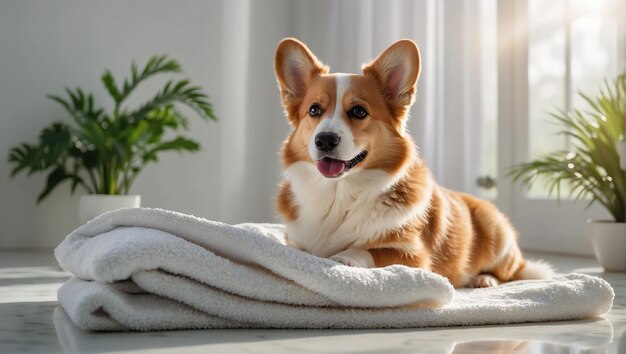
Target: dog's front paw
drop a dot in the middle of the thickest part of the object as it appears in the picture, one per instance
(483, 281)
(355, 257)
(343, 260)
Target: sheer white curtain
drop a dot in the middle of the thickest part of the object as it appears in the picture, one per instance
(445, 120)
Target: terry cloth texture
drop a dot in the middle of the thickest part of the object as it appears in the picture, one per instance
(151, 269)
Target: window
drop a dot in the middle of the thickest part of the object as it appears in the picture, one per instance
(547, 51)
(573, 45)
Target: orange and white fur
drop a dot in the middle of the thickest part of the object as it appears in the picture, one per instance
(356, 189)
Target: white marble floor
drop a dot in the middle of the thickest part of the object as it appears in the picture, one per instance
(32, 322)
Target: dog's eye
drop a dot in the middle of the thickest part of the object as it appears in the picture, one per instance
(315, 110)
(358, 112)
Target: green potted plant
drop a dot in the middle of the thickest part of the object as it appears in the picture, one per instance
(102, 151)
(592, 168)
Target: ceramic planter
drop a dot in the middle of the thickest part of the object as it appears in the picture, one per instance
(92, 205)
(609, 244)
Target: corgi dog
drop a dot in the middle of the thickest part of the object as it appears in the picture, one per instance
(356, 189)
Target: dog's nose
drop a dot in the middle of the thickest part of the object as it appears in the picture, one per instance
(327, 141)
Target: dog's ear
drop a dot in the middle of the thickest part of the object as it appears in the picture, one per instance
(295, 66)
(396, 70)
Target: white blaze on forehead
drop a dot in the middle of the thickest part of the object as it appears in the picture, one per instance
(334, 122)
(341, 81)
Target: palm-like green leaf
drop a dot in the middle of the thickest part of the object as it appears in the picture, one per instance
(591, 169)
(178, 144)
(25, 156)
(155, 65)
(58, 175)
(181, 92)
(52, 147)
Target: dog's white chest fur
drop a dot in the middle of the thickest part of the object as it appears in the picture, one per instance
(334, 214)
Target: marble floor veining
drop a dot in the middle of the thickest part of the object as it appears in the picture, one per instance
(32, 322)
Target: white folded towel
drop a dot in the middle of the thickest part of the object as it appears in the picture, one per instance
(151, 269)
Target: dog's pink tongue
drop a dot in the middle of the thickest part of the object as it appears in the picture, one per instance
(330, 167)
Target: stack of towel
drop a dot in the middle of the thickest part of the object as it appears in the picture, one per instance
(151, 269)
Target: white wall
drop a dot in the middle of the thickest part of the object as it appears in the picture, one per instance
(47, 45)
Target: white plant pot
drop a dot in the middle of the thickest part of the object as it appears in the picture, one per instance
(92, 205)
(609, 244)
